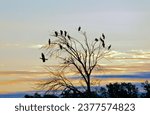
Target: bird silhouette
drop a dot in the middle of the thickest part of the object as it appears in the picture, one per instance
(65, 33)
(79, 28)
(96, 39)
(68, 45)
(43, 57)
(60, 46)
(103, 35)
(49, 42)
(103, 44)
(109, 47)
(56, 33)
(61, 32)
(68, 37)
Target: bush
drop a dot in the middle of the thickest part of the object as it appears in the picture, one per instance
(146, 87)
(122, 90)
(36, 95)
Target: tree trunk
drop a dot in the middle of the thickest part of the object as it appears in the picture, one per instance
(89, 87)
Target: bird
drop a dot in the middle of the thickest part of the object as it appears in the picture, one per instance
(101, 39)
(49, 42)
(60, 46)
(65, 33)
(43, 57)
(103, 35)
(68, 37)
(61, 32)
(79, 28)
(56, 33)
(68, 45)
(103, 44)
(109, 47)
(96, 39)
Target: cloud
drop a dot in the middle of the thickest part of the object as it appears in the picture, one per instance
(18, 45)
(35, 46)
(130, 55)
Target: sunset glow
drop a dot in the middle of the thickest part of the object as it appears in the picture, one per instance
(27, 25)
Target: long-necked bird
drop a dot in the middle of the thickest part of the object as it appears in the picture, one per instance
(65, 33)
(68, 45)
(103, 44)
(56, 33)
(96, 39)
(49, 42)
(103, 35)
(109, 47)
(43, 57)
(68, 37)
(61, 32)
(60, 46)
(79, 28)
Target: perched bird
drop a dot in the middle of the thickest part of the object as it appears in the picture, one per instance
(61, 32)
(96, 39)
(109, 47)
(43, 57)
(79, 28)
(103, 35)
(103, 44)
(68, 45)
(68, 37)
(60, 46)
(65, 33)
(49, 42)
(56, 33)
(101, 39)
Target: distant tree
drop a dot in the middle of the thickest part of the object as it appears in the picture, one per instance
(122, 90)
(78, 55)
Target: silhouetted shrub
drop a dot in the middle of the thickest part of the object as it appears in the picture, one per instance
(122, 90)
(77, 94)
(146, 87)
(50, 96)
(36, 95)
(69, 93)
(103, 92)
(28, 96)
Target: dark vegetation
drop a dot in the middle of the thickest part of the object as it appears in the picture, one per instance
(115, 90)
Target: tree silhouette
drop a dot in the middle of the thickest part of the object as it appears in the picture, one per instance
(122, 90)
(80, 55)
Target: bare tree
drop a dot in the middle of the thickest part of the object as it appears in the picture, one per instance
(83, 55)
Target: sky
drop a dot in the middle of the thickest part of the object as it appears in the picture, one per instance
(25, 25)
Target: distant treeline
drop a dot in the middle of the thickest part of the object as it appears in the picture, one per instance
(112, 90)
